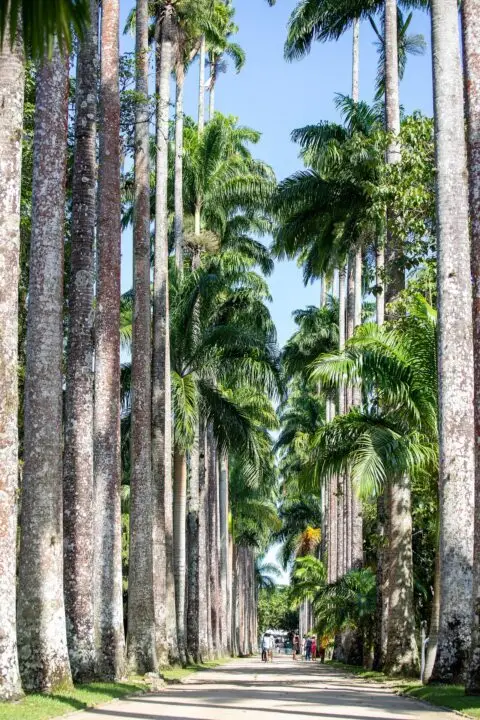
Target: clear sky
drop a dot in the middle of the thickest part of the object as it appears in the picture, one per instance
(275, 97)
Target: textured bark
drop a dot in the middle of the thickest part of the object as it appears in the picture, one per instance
(78, 515)
(201, 87)
(471, 55)
(342, 406)
(213, 82)
(12, 79)
(332, 515)
(393, 252)
(141, 647)
(193, 502)
(434, 623)
(42, 638)
(213, 539)
(380, 283)
(456, 382)
(109, 633)
(203, 608)
(224, 554)
(402, 651)
(179, 537)
(178, 189)
(355, 59)
(381, 614)
(167, 646)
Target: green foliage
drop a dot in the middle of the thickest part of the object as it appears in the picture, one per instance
(274, 611)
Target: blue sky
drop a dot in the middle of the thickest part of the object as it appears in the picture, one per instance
(275, 97)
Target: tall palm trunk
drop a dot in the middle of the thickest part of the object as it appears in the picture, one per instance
(12, 80)
(78, 505)
(471, 33)
(212, 537)
(193, 509)
(357, 510)
(167, 647)
(42, 639)
(203, 607)
(108, 547)
(380, 282)
(141, 649)
(224, 552)
(456, 381)
(213, 80)
(332, 516)
(356, 60)
(402, 651)
(178, 189)
(179, 537)
(201, 86)
(341, 499)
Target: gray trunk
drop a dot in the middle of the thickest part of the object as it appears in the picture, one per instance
(213, 80)
(178, 189)
(456, 379)
(107, 475)
(213, 539)
(380, 283)
(193, 502)
(471, 34)
(355, 59)
(179, 537)
(167, 647)
(78, 525)
(224, 553)
(12, 79)
(141, 649)
(402, 652)
(434, 623)
(203, 608)
(201, 87)
(42, 637)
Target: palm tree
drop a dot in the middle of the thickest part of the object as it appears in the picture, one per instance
(471, 28)
(109, 631)
(12, 78)
(78, 496)
(399, 366)
(456, 379)
(219, 50)
(42, 641)
(167, 647)
(141, 647)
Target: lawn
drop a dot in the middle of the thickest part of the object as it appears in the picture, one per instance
(43, 707)
(447, 696)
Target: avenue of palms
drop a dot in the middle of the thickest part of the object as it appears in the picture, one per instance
(155, 444)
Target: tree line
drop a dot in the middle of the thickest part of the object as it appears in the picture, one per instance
(137, 476)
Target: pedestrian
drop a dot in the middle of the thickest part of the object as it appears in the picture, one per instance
(296, 646)
(265, 646)
(314, 648)
(308, 649)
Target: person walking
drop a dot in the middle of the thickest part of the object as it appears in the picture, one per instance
(296, 646)
(314, 648)
(265, 646)
(308, 649)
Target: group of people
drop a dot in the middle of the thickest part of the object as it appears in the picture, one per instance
(305, 647)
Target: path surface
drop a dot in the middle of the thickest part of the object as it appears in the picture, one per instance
(282, 690)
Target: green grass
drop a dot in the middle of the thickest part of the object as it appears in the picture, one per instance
(176, 674)
(42, 707)
(449, 696)
(360, 672)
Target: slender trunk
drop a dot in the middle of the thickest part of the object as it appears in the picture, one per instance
(333, 571)
(179, 537)
(178, 190)
(141, 648)
(471, 54)
(456, 381)
(213, 80)
(213, 546)
(203, 547)
(167, 647)
(78, 515)
(380, 283)
(42, 638)
(355, 60)
(341, 404)
(224, 554)
(201, 87)
(12, 80)
(396, 275)
(381, 613)
(402, 651)
(193, 501)
(107, 476)
(323, 291)
(434, 623)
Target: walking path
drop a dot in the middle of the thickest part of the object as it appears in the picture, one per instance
(282, 690)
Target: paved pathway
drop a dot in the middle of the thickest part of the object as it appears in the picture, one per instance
(282, 690)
